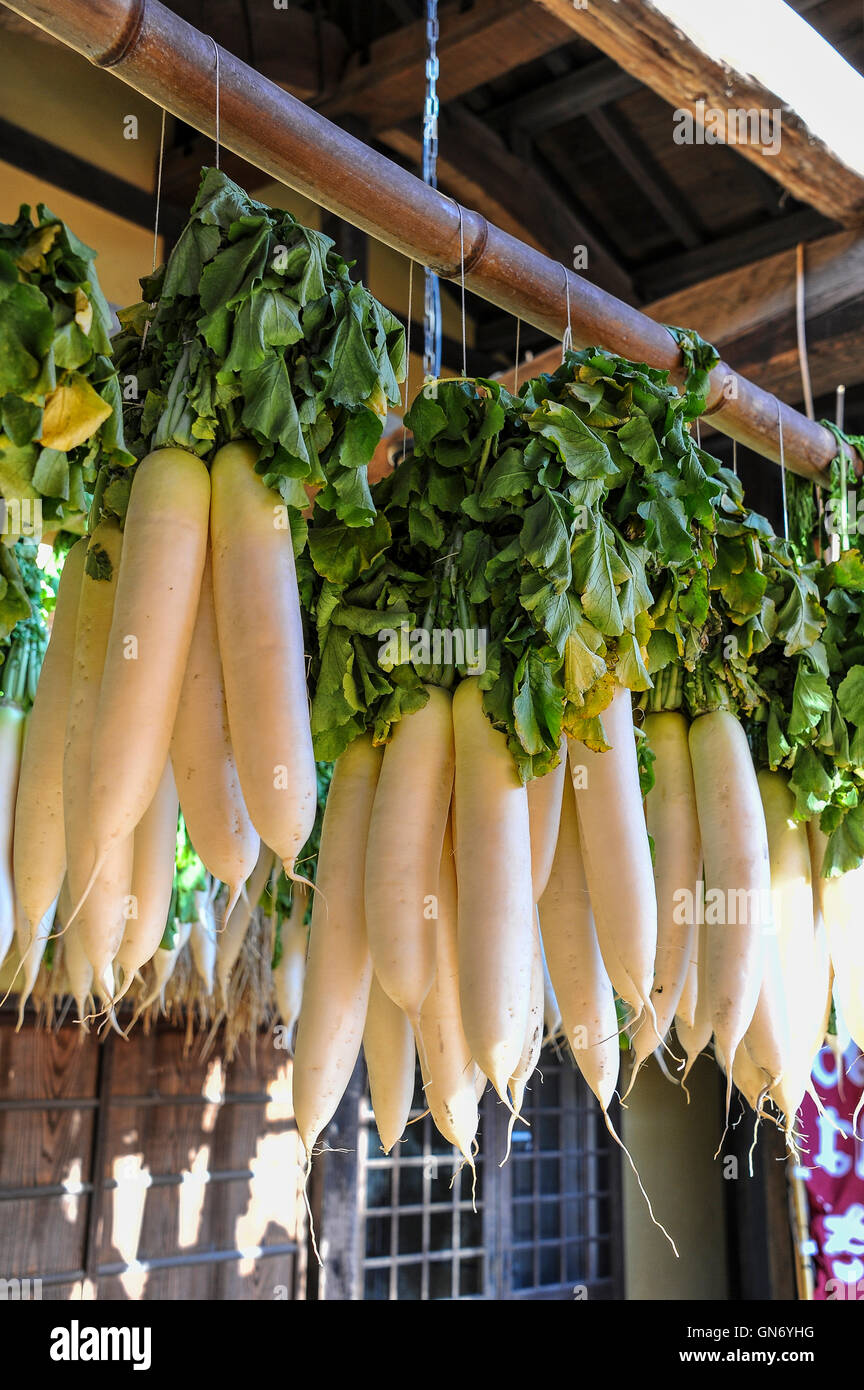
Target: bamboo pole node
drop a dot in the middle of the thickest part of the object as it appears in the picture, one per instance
(126, 41)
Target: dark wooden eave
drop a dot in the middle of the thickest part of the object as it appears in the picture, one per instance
(642, 37)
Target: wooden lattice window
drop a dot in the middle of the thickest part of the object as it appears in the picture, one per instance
(563, 1192)
(546, 1225)
(422, 1237)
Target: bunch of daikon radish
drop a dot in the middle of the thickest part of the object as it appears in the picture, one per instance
(577, 524)
(29, 591)
(750, 966)
(445, 886)
(596, 547)
(211, 981)
(217, 985)
(175, 673)
(438, 872)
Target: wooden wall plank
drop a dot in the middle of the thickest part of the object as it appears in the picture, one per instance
(61, 1063)
(47, 1235)
(193, 1140)
(45, 1146)
(62, 1293)
(211, 1283)
(43, 1236)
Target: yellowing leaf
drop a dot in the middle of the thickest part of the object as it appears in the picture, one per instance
(377, 402)
(73, 412)
(588, 731)
(38, 246)
(598, 697)
(83, 311)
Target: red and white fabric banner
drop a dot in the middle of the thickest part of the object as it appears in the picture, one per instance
(833, 1169)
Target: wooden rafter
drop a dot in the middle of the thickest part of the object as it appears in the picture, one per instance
(623, 142)
(730, 304)
(744, 57)
(300, 50)
(475, 45)
(750, 314)
(571, 95)
(730, 252)
(297, 49)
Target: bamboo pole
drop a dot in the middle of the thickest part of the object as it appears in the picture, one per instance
(174, 64)
(805, 1279)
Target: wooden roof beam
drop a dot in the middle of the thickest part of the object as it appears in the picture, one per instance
(749, 314)
(711, 60)
(621, 140)
(574, 94)
(474, 46)
(730, 252)
(296, 48)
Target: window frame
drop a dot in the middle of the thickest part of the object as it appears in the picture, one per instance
(583, 1144)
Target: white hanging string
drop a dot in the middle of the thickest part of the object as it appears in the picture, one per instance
(462, 274)
(159, 190)
(216, 53)
(698, 434)
(782, 470)
(407, 354)
(801, 331)
(839, 417)
(567, 340)
(516, 366)
(803, 358)
(146, 328)
(735, 457)
(458, 207)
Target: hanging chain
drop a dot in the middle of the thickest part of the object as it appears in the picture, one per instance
(407, 356)
(432, 299)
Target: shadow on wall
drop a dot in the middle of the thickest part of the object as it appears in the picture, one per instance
(201, 1161)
